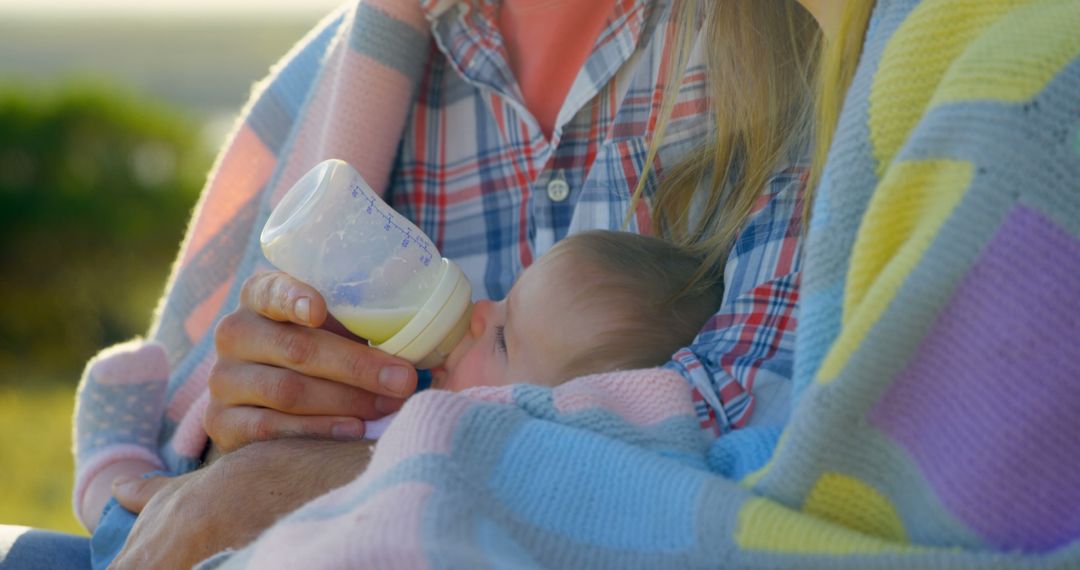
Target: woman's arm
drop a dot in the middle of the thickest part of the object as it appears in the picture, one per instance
(277, 376)
(186, 519)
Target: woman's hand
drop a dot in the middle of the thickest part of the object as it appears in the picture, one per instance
(281, 373)
(184, 520)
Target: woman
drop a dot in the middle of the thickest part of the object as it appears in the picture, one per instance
(582, 151)
(936, 395)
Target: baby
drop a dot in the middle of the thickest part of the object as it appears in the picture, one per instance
(599, 301)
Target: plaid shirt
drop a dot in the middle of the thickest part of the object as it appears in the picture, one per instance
(477, 174)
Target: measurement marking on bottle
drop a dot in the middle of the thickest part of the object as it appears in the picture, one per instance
(408, 238)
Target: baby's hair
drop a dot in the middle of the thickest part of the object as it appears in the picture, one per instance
(647, 288)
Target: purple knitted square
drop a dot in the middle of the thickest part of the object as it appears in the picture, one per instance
(989, 406)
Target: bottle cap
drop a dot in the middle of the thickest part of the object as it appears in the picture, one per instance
(429, 337)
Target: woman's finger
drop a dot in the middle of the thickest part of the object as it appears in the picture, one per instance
(245, 336)
(234, 427)
(235, 383)
(281, 297)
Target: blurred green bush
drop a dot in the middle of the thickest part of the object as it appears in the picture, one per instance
(96, 186)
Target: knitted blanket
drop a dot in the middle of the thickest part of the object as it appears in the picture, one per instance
(354, 75)
(935, 422)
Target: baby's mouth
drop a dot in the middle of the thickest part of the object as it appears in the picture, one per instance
(438, 376)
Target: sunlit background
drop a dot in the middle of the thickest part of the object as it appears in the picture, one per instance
(110, 114)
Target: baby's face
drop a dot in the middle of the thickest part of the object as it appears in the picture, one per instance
(525, 338)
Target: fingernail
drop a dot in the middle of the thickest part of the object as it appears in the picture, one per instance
(302, 310)
(347, 430)
(394, 378)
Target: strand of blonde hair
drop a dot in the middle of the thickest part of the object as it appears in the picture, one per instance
(838, 62)
(761, 57)
(683, 27)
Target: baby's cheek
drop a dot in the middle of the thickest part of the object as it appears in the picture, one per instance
(472, 370)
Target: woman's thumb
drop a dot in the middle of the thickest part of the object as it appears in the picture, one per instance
(134, 492)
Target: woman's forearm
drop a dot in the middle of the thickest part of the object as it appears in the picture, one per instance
(229, 503)
(291, 472)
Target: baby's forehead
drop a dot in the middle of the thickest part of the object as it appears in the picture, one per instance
(560, 272)
(568, 290)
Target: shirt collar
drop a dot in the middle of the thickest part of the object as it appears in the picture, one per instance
(467, 33)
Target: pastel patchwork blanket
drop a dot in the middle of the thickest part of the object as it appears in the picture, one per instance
(936, 412)
(937, 406)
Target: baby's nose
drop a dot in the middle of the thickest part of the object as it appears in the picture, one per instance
(481, 311)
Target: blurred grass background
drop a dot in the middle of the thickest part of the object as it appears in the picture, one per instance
(108, 127)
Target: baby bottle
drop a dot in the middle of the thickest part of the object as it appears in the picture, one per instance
(380, 275)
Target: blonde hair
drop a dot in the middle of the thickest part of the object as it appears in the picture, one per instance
(837, 69)
(760, 63)
(638, 287)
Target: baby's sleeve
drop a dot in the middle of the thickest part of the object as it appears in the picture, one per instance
(118, 411)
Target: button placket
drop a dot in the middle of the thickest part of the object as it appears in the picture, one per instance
(558, 189)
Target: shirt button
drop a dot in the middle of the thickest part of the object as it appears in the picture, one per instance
(558, 189)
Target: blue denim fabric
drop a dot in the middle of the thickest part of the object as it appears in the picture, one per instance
(113, 530)
(24, 548)
(111, 534)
